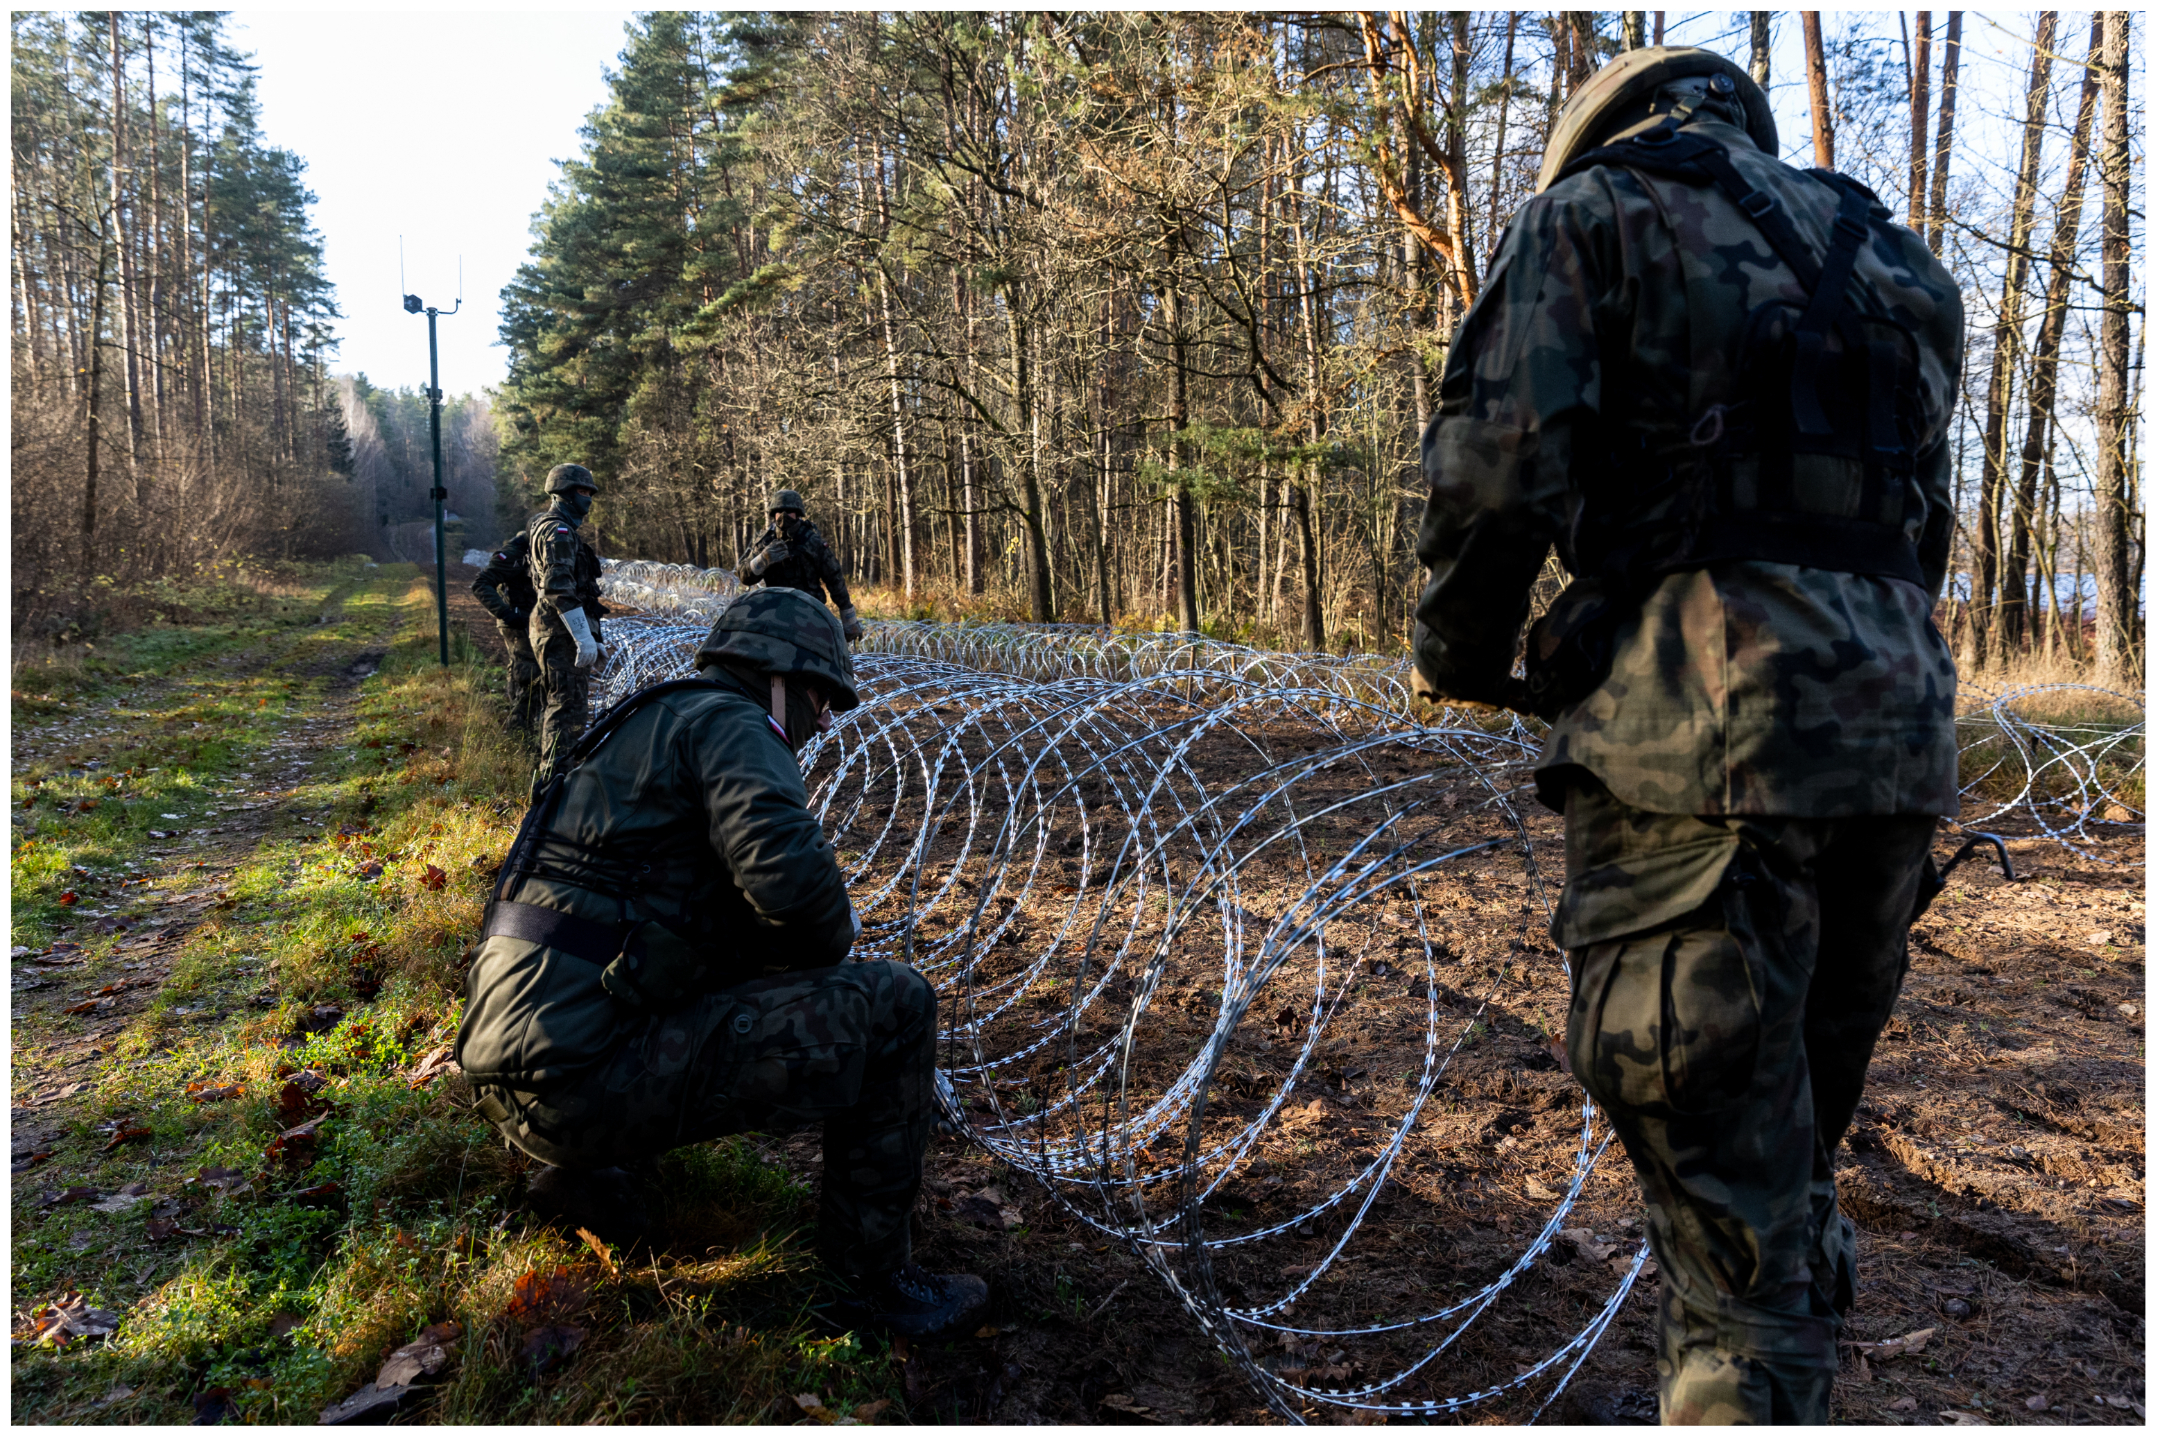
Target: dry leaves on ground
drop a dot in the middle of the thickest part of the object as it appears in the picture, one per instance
(407, 1367)
(64, 1320)
(817, 1410)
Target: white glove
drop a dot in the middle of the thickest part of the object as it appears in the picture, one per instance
(588, 649)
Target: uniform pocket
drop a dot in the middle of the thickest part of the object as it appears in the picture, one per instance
(1671, 1022)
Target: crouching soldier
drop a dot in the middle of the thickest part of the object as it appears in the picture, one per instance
(666, 961)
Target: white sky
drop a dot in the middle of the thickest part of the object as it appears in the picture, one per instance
(443, 127)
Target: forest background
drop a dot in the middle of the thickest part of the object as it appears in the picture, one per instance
(1133, 318)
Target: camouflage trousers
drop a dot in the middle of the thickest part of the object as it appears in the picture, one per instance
(1731, 975)
(526, 694)
(567, 690)
(850, 1046)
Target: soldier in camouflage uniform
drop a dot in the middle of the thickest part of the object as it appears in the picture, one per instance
(504, 588)
(1721, 386)
(666, 961)
(565, 622)
(792, 553)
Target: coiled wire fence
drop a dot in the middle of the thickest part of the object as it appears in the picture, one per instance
(1235, 956)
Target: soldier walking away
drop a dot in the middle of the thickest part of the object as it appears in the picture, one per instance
(793, 554)
(666, 961)
(1721, 385)
(564, 626)
(504, 588)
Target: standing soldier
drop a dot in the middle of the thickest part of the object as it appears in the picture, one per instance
(793, 554)
(505, 589)
(1722, 386)
(565, 624)
(666, 960)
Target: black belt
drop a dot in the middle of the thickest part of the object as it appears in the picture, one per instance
(595, 941)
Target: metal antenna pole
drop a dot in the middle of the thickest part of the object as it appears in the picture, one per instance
(413, 306)
(442, 587)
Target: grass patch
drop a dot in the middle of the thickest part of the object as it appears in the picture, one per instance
(326, 842)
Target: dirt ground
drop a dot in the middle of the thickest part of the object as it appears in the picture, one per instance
(1995, 1172)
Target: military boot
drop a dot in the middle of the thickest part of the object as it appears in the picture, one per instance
(911, 1301)
(610, 1202)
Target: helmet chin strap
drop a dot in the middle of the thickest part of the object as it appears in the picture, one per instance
(779, 701)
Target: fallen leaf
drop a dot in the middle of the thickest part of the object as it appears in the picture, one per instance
(544, 1297)
(67, 897)
(369, 1404)
(70, 1195)
(864, 1414)
(602, 1249)
(321, 1194)
(214, 1406)
(162, 1229)
(1911, 1344)
(128, 1135)
(546, 1344)
(2036, 1402)
(2118, 1402)
(91, 1006)
(1960, 1417)
(31, 1161)
(122, 1204)
(813, 1407)
(284, 1323)
(115, 1395)
(1908, 1403)
(81, 1241)
(1538, 1190)
(1587, 1245)
(435, 878)
(65, 1319)
(427, 1355)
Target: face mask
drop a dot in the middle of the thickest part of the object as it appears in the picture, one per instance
(806, 718)
(790, 525)
(576, 506)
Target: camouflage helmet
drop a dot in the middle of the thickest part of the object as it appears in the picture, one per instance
(1623, 98)
(565, 478)
(783, 632)
(785, 500)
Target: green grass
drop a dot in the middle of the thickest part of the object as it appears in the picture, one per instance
(294, 1299)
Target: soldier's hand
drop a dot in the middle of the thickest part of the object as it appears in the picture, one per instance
(1436, 707)
(776, 553)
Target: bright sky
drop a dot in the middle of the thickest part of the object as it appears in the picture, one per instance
(441, 127)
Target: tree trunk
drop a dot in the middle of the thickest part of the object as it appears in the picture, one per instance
(2040, 405)
(1758, 46)
(1631, 29)
(1818, 89)
(1507, 84)
(1997, 624)
(2121, 664)
(97, 385)
(1916, 74)
(1939, 195)
(126, 253)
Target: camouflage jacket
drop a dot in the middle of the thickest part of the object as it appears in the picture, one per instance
(691, 813)
(1618, 301)
(562, 569)
(810, 565)
(504, 585)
